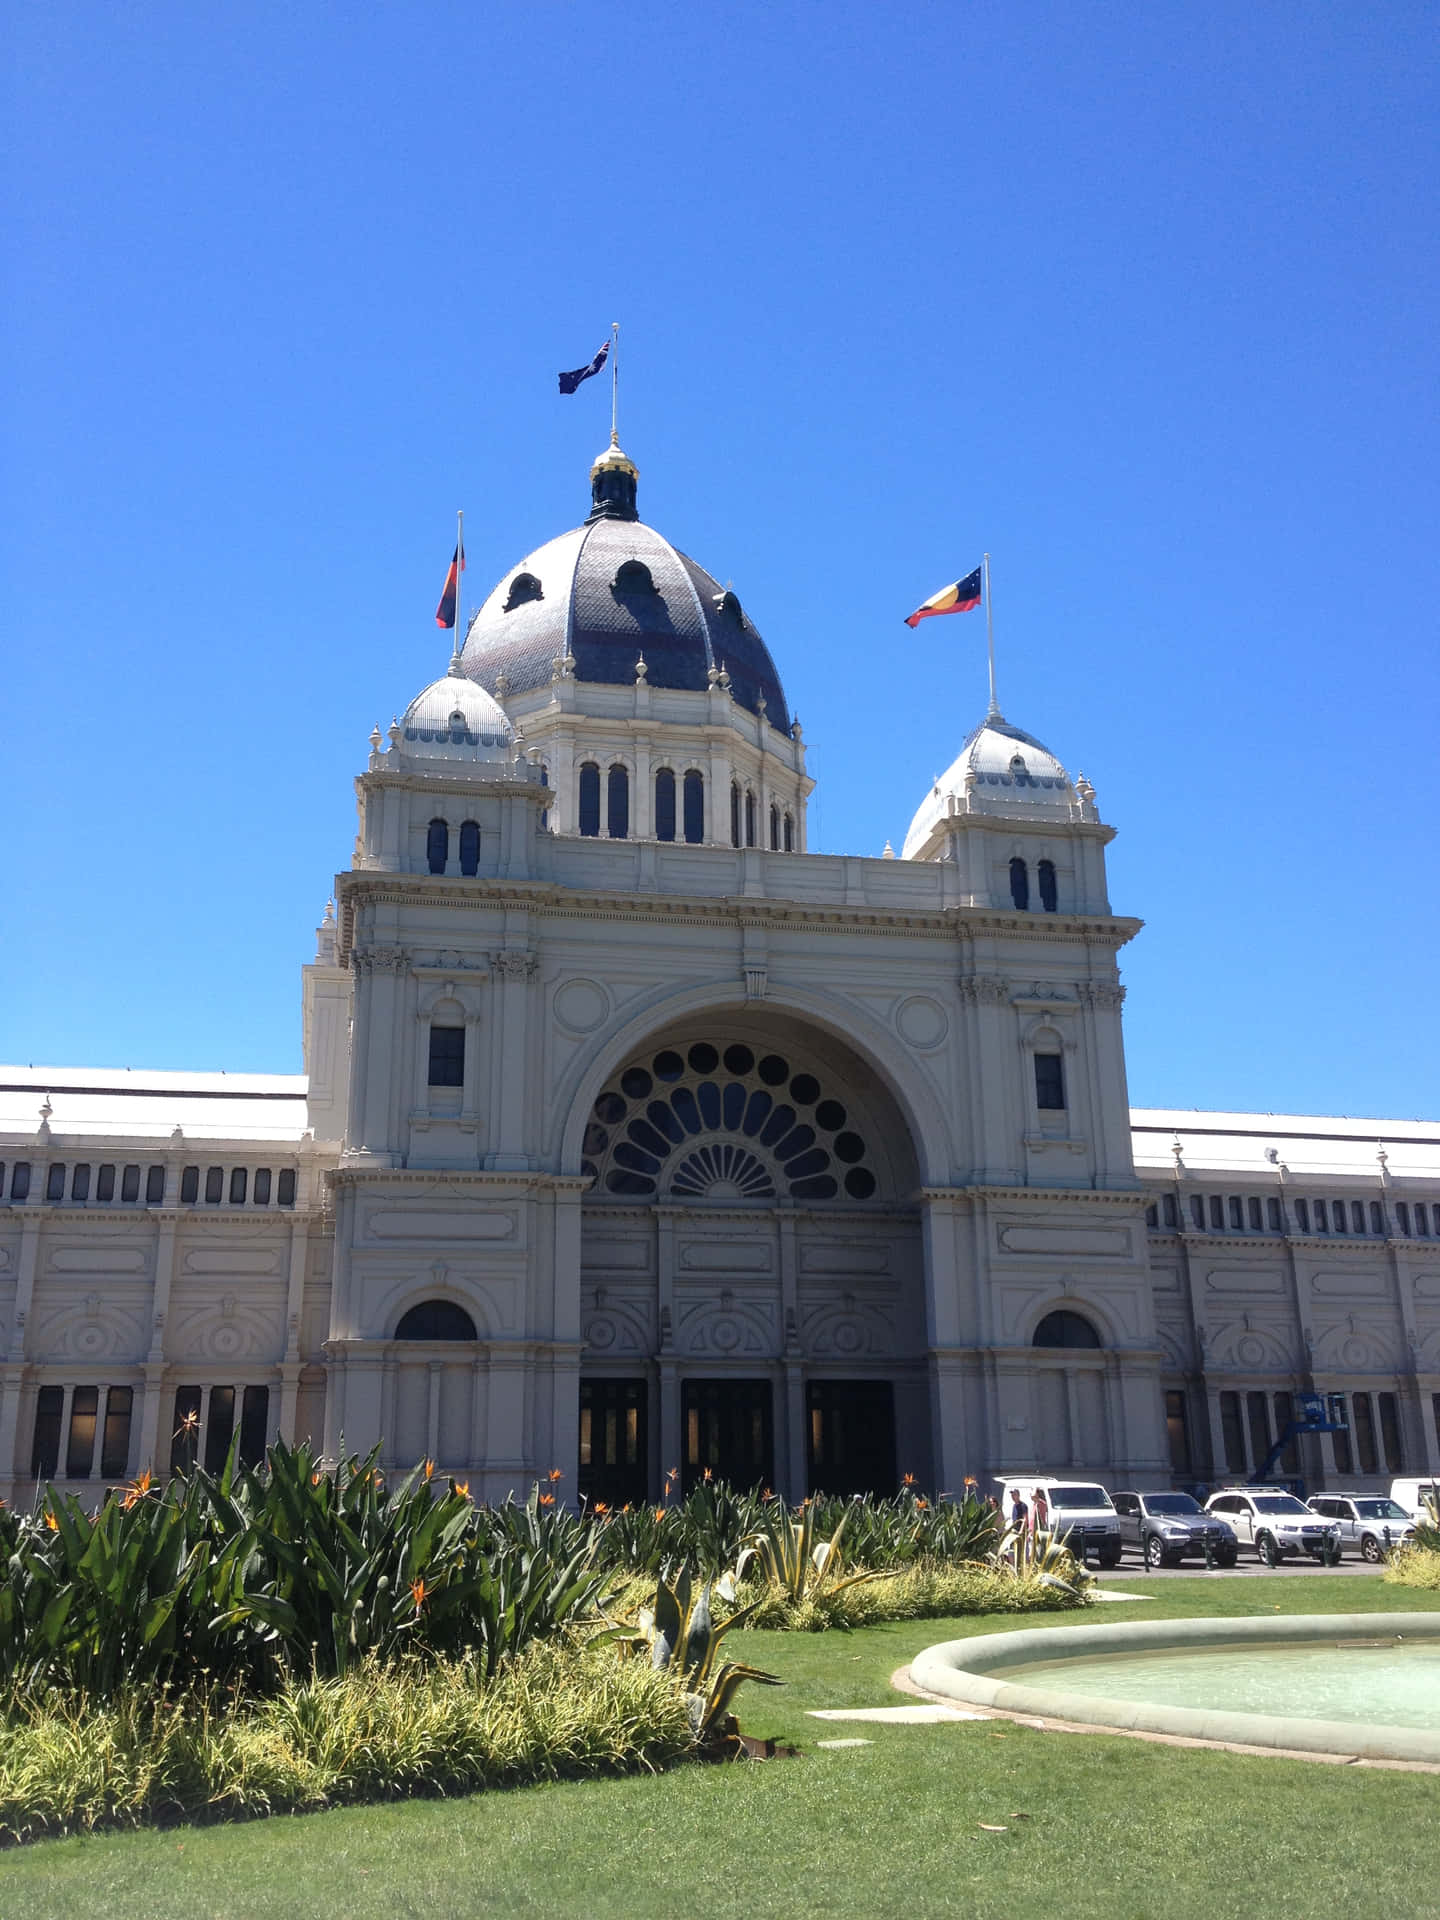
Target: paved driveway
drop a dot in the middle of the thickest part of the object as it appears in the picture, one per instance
(1132, 1567)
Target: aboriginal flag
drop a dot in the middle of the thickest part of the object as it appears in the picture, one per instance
(961, 598)
(570, 381)
(445, 612)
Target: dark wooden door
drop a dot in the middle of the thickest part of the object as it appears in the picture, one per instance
(729, 1430)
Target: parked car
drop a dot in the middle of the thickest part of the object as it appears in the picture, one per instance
(1367, 1521)
(1418, 1497)
(1167, 1526)
(1263, 1517)
(1081, 1513)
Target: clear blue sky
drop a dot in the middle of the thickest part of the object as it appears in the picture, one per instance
(1143, 299)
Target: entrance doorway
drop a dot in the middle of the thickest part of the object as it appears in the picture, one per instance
(613, 1463)
(851, 1436)
(729, 1429)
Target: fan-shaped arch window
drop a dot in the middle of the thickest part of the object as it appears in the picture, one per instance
(694, 807)
(470, 847)
(522, 588)
(436, 1320)
(590, 798)
(634, 577)
(1049, 898)
(665, 804)
(617, 811)
(437, 845)
(1020, 883)
(1064, 1328)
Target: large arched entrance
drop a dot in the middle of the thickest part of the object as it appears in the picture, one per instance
(751, 1267)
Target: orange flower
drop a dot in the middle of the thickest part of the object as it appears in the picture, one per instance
(908, 1481)
(769, 1494)
(922, 1503)
(626, 1507)
(673, 1474)
(417, 1593)
(462, 1487)
(707, 1476)
(52, 1523)
(599, 1508)
(659, 1513)
(547, 1499)
(429, 1469)
(189, 1421)
(554, 1475)
(136, 1491)
(971, 1481)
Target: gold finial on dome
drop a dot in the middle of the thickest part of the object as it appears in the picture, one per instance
(613, 480)
(614, 460)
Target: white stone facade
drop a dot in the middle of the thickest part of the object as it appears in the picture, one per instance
(618, 1152)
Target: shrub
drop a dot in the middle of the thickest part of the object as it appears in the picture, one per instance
(928, 1590)
(1415, 1566)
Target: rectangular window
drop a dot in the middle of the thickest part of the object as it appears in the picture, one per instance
(55, 1183)
(1049, 1082)
(80, 1453)
(254, 1425)
(1322, 1218)
(447, 1056)
(1257, 1224)
(1390, 1433)
(1272, 1215)
(1422, 1223)
(1217, 1213)
(1233, 1432)
(185, 1440)
(1302, 1214)
(262, 1186)
(20, 1181)
(1362, 1421)
(1170, 1212)
(1152, 1215)
(214, 1186)
(115, 1444)
(1237, 1213)
(285, 1187)
(239, 1178)
(189, 1186)
(1402, 1216)
(45, 1453)
(1257, 1413)
(219, 1427)
(155, 1187)
(105, 1183)
(1290, 1459)
(130, 1184)
(1377, 1217)
(1337, 1216)
(1178, 1429)
(1357, 1216)
(1344, 1455)
(80, 1183)
(1197, 1211)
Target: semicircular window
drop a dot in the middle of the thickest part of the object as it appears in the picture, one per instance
(1065, 1329)
(718, 1123)
(522, 588)
(436, 1320)
(634, 577)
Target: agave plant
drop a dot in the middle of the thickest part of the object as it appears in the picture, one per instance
(791, 1562)
(1042, 1556)
(684, 1639)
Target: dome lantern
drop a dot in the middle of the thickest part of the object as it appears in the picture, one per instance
(614, 479)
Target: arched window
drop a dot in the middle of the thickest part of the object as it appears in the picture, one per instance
(1049, 899)
(749, 819)
(436, 1320)
(618, 810)
(789, 833)
(694, 807)
(522, 588)
(1019, 883)
(665, 804)
(1065, 1329)
(470, 847)
(437, 845)
(1050, 1082)
(590, 798)
(634, 577)
(734, 813)
(774, 829)
(545, 815)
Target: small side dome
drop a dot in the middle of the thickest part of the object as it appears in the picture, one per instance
(1000, 771)
(454, 719)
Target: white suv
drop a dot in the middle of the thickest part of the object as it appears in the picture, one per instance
(1081, 1513)
(1275, 1523)
(1366, 1520)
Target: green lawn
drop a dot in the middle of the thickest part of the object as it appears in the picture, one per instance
(1116, 1827)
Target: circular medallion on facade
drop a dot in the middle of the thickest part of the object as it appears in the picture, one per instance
(1250, 1352)
(91, 1340)
(847, 1337)
(725, 1335)
(1355, 1353)
(226, 1340)
(600, 1334)
(581, 1005)
(922, 1021)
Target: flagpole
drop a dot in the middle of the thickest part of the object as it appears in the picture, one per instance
(994, 713)
(614, 383)
(459, 576)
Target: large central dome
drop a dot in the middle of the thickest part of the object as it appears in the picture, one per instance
(606, 593)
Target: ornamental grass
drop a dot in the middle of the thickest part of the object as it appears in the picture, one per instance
(1414, 1567)
(929, 1590)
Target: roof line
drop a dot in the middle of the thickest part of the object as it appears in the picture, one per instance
(1289, 1133)
(149, 1093)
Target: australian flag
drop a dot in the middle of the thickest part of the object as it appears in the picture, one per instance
(570, 381)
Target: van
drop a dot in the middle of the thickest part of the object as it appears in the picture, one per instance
(1082, 1513)
(1420, 1499)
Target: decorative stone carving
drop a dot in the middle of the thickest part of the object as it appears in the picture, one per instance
(517, 966)
(984, 990)
(380, 960)
(921, 1021)
(1106, 994)
(757, 982)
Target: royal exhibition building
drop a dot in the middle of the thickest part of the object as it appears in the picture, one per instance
(634, 1136)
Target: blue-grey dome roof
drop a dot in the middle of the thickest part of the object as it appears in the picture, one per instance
(606, 593)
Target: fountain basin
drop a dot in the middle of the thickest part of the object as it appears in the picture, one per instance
(1322, 1680)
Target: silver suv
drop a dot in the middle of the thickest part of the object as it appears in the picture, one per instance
(1369, 1521)
(1167, 1526)
(1275, 1523)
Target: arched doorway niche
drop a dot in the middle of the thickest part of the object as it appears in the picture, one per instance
(1075, 1389)
(752, 1290)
